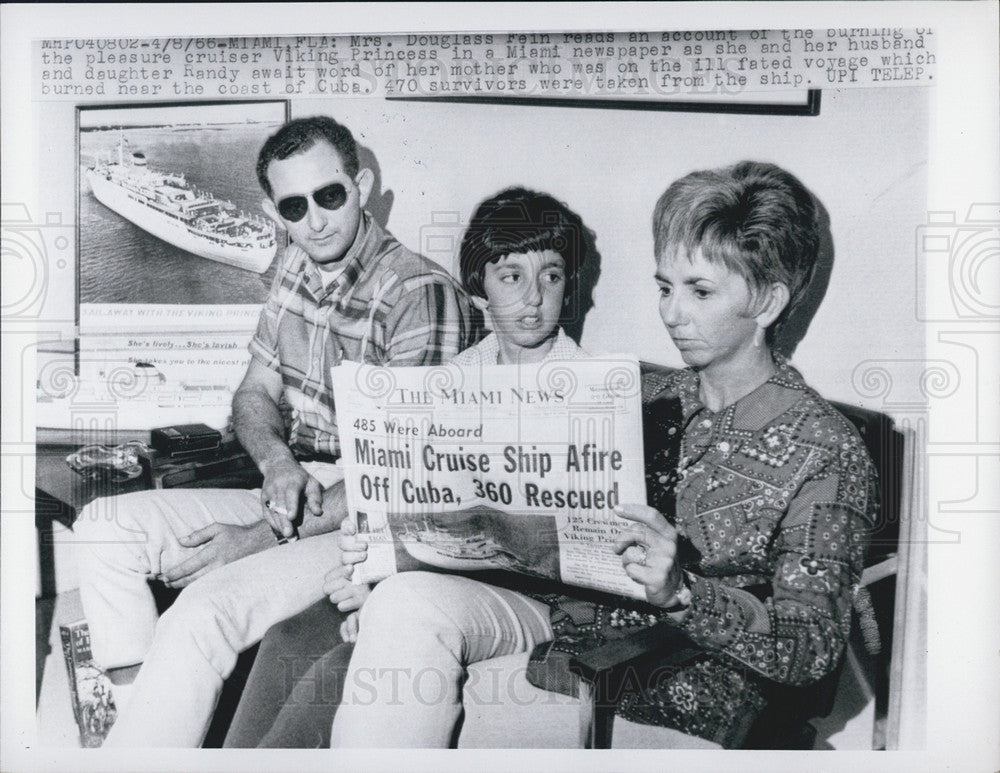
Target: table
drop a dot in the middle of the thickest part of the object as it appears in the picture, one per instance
(60, 494)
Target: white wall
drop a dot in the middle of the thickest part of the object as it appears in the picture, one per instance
(864, 157)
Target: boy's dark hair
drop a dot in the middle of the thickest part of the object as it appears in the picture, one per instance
(516, 221)
(754, 218)
(301, 134)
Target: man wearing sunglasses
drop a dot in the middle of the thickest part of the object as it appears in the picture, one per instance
(345, 290)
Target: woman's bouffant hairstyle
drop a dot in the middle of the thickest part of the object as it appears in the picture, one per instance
(516, 221)
(754, 218)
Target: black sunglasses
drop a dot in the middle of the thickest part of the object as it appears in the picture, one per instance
(294, 208)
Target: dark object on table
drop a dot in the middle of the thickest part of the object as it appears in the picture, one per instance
(184, 439)
(227, 466)
(109, 463)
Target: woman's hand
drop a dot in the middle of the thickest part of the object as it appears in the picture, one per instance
(648, 549)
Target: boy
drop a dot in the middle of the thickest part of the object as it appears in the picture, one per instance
(519, 261)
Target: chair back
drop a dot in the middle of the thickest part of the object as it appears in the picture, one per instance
(885, 446)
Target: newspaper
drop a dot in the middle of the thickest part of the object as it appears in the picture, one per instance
(513, 467)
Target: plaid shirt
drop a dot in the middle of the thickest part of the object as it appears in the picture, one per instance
(487, 351)
(390, 306)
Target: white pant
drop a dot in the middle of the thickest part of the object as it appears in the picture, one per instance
(186, 654)
(419, 631)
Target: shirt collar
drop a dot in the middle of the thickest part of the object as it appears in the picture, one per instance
(563, 348)
(785, 376)
(358, 256)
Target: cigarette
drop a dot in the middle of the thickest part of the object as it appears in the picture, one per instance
(276, 509)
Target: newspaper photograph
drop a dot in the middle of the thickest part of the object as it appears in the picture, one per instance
(498, 467)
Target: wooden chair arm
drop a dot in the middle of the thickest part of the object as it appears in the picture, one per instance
(604, 670)
(661, 642)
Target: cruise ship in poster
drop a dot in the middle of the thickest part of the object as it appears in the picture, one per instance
(170, 208)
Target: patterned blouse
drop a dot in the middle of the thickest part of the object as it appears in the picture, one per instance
(774, 498)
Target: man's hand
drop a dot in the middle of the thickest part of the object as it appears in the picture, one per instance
(221, 544)
(261, 431)
(284, 484)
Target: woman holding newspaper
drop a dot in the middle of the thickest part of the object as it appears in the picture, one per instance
(760, 500)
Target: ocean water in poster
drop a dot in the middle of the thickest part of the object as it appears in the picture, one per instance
(121, 263)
